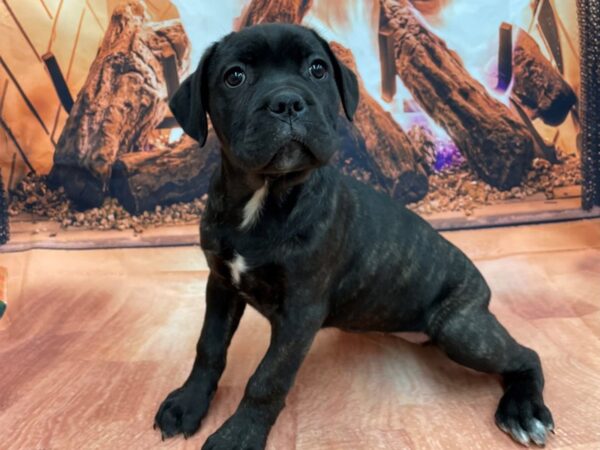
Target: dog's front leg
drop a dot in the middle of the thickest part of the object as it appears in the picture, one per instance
(185, 407)
(292, 333)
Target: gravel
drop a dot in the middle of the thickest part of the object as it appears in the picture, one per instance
(32, 195)
(459, 189)
(455, 188)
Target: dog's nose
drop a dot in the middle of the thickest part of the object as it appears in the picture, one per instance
(286, 105)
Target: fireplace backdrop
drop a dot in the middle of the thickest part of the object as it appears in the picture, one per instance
(467, 108)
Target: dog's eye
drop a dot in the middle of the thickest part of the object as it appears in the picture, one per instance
(234, 77)
(318, 70)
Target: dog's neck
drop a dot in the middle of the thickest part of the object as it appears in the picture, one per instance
(236, 184)
(239, 197)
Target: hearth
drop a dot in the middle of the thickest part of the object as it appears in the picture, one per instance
(466, 109)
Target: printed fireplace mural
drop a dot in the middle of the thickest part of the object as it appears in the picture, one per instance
(470, 112)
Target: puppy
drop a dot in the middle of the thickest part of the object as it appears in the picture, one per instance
(309, 248)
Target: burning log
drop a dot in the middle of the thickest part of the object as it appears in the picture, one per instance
(388, 67)
(386, 142)
(540, 87)
(265, 11)
(505, 57)
(491, 137)
(541, 148)
(176, 173)
(121, 101)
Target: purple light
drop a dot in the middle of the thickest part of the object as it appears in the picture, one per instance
(447, 155)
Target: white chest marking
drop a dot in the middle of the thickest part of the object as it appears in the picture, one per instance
(237, 266)
(254, 206)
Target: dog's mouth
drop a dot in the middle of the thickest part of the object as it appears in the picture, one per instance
(293, 159)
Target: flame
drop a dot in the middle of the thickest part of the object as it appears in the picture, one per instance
(203, 29)
(206, 24)
(354, 24)
(472, 30)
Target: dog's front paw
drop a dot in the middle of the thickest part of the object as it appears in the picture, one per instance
(524, 417)
(238, 433)
(181, 412)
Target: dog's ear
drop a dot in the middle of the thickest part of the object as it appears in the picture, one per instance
(345, 80)
(347, 85)
(189, 103)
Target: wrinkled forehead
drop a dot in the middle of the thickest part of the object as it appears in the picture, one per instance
(270, 44)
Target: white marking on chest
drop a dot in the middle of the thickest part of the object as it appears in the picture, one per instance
(254, 206)
(237, 266)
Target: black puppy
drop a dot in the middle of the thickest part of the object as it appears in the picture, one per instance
(310, 248)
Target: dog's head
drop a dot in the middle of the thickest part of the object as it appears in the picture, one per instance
(273, 94)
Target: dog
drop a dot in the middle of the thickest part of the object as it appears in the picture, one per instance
(309, 248)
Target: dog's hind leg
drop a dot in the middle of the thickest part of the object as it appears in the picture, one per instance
(469, 334)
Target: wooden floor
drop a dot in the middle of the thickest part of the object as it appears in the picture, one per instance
(93, 340)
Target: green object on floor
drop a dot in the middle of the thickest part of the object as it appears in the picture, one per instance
(2, 308)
